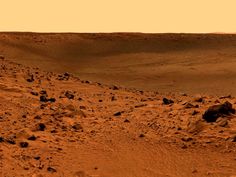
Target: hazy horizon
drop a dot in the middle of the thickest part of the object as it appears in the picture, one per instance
(118, 32)
(104, 16)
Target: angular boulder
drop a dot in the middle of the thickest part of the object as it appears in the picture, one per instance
(216, 111)
(167, 101)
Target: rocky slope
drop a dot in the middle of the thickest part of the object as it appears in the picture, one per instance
(59, 125)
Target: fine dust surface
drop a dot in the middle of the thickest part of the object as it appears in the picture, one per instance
(189, 63)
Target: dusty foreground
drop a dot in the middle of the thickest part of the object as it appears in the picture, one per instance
(189, 63)
(58, 125)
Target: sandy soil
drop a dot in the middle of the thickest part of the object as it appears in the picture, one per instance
(58, 124)
(190, 63)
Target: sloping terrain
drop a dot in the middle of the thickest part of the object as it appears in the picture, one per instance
(60, 125)
(189, 63)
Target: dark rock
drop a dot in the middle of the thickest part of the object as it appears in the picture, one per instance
(1, 139)
(43, 98)
(117, 114)
(233, 138)
(53, 131)
(140, 105)
(85, 82)
(186, 139)
(114, 87)
(194, 171)
(223, 97)
(52, 100)
(82, 107)
(179, 128)
(126, 121)
(32, 138)
(65, 76)
(113, 98)
(77, 127)
(37, 158)
(216, 111)
(52, 170)
(184, 146)
(2, 57)
(195, 112)
(37, 117)
(167, 101)
(64, 128)
(143, 100)
(24, 144)
(41, 127)
(43, 92)
(69, 95)
(42, 106)
(10, 141)
(141, 135)
(141, 92)
(199, 99)
(34, 93)
(31, 78)
(189, 105)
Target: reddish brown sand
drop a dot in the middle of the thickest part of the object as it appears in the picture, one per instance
(99, 130)
(190, 63)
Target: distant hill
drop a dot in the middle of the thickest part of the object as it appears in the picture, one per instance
(190, 63)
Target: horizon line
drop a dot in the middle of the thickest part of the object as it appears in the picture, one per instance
(118, 32)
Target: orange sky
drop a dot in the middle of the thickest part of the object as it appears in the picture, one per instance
(118, 15)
